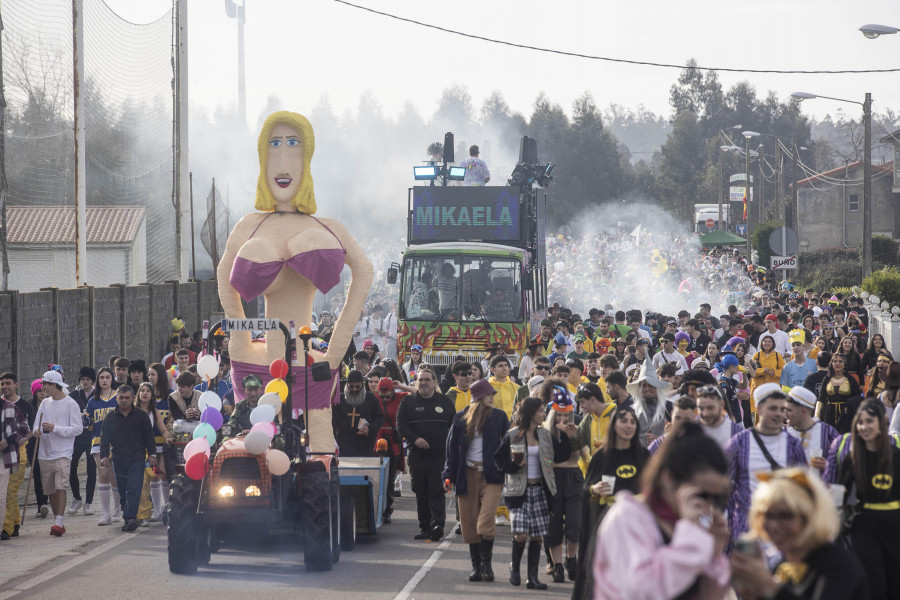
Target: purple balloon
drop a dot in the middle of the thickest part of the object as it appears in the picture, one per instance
(212, 416)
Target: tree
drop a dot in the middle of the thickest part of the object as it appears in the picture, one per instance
(454, 111)
(682, 166)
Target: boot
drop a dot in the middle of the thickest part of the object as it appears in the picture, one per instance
(534, 558)
(487, 552)
(559, 575)
(572, 568)
(474, 553)
(518, 549)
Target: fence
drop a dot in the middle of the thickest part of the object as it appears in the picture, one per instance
(87, 325)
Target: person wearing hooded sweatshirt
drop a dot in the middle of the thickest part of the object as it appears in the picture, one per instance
(649, 394)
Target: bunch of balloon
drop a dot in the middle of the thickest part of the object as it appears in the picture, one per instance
(196, 458)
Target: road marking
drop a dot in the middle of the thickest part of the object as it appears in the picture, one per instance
(410, 586)
(27, 585)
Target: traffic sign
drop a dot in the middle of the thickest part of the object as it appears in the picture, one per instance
(780, 263)
(783, 241)
(250, 324)
(710, 223)
(741, 229)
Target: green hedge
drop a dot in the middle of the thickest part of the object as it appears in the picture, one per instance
(829, 268)
(760, 240)
(884, 283)
(885, 251)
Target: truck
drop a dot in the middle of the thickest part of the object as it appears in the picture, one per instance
(322, 500)
(473, 276)
(704, 212)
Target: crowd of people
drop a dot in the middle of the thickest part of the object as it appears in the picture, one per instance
(678, 453)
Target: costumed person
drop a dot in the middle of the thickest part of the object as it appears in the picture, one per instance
(566, 503)
(815, 435)
(357, 419)
(389, 401)
(682, 340)
(285, 254)
(649, 393)
(839, 396)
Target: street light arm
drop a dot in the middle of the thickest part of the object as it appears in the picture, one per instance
(807, 96)
(873, 30)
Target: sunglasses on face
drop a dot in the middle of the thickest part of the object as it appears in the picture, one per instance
(542, 367)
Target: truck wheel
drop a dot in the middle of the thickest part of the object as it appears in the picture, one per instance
(336, 531)
(315, 503)
(348, 521)
(182, 526)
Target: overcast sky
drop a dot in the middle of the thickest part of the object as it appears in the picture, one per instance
(300, 50)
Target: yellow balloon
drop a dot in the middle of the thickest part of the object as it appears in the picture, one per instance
(278, 386)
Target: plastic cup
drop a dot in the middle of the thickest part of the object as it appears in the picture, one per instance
(837, 493)
(611, 480)
(518, 452)
(815, 453)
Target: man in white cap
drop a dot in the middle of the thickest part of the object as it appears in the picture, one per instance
(815, 435)
(58, 424)
(765, 448)
(649, 393)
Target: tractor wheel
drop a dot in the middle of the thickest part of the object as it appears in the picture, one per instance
(316, 521)
(335, 514)
(183, 529)
(348, 521)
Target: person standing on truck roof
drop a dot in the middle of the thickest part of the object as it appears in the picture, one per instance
(476, 169)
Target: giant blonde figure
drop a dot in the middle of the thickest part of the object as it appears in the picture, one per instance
(284, 254)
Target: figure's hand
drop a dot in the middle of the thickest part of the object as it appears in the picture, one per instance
(192, 413)
(818, 463)
(3, 444)
(650, 437)
(571, 430)
(448, 485)
(363, 430)
(421, 443)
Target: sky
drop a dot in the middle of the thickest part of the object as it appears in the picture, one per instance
(302, 50)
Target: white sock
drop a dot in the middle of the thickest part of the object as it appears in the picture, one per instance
(165, 491)
(156, 496)
(117, 499)
(59, 520)
(103, 492)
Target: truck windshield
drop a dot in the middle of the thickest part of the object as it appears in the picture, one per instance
(461, 288)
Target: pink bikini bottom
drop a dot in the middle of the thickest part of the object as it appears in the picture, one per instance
(320, 392)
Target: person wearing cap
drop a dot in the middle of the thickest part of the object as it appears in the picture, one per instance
(14, 432)
(765, 447)
(782, 340)
(815, 435)
(357, 419)
(800, 367)
(560, 348)
(86, 378)
(474, 438)
(58, 424)
(362, 362)
(668, 354)
(579, 352)
(389, 399)
(239, 422)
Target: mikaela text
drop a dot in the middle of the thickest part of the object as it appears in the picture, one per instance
(444, 215)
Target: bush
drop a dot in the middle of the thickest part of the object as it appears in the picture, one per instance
(885, 251)
(760, 240)
(884, 283)
(829, 268)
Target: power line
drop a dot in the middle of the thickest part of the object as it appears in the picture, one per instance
(610, 59)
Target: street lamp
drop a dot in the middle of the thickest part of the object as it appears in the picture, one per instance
(872, 30)
(721, 172)
(867, 167)
(747, 135)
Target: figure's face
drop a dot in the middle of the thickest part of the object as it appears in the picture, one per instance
(710, 409)
(284, 163)
(626, 426)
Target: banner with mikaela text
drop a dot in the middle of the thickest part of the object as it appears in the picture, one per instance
(466, 214)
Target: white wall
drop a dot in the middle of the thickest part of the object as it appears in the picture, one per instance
(33, 268)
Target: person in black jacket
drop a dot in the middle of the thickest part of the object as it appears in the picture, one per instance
(87, 376)
(424, 419)
(474, 439)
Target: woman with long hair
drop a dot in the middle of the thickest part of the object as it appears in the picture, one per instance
(102, 401)
(620, 460)
(145, 399)
(526, 456)
(711, 356)
(159, 379)
(854, 366)
(414, 363)
(670, 541)
(476, 374)
(473, 440)
(393, 371)
(819, 345)
(769, 363)
(868, 466)
(875, 381)
(839, 396)
(876, 348)
(809, 323)
(745, 362)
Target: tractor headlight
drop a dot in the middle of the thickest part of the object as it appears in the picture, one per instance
(226, 491)
(252, 491)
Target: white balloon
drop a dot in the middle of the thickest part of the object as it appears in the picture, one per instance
(208, 367)
(271, 399)
(263, 413)
(197, 446)
(256, 442)
(278, 462)
(209, 398)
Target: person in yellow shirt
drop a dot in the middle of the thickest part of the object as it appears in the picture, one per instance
(459, 394)
(505, 400)
(588, 343)
(598, 410)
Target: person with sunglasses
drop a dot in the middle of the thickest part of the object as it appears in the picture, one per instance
(459, 393)
(540, 368)
(765, 447)
(414, 363)
(669, 541)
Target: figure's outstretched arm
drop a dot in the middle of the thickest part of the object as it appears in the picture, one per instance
(361, 281)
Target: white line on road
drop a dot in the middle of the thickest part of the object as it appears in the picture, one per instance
(410, 586)
(27, 585)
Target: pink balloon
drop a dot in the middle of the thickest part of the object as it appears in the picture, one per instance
(266, 428)
(198, 446)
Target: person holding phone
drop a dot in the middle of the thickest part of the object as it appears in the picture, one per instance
(793, 511)
(669, 542)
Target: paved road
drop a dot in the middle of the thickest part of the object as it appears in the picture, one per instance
(102, 562)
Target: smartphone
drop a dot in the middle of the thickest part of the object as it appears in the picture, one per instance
(749, 546)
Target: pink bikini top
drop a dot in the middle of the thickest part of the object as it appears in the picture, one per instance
(322, 267)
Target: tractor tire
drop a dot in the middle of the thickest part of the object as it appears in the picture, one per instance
(348, 522)
(316, 522)
(183, 529)
(335, 514)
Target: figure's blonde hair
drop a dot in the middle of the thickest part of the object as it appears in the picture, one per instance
(305, 199)
(805, 495)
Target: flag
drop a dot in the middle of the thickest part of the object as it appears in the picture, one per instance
(746, 187)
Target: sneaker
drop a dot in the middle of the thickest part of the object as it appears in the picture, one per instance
(572, 568)
(131, 525)
(422, 535)
(155, 518)
(501, 521)
(57, 530)
(105, 520)
(145, 522)
(386, 519)
(398, 486)
(117, 516)
(75, 506)
(88, 510)
(437, 532)
(43, 511)
(4, 535)
(15, 532)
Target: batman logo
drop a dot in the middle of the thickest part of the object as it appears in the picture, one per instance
(626, 471)
(882, 481)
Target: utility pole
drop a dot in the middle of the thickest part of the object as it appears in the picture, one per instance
(747, 194)
(182, 174)
(235, 10)
(792, 218)
(721, 186)
(213, 241)
(80, 148)
(867, 186)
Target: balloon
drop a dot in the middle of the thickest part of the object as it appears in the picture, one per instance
(279, 387)
(279, 368)
(212, 417)
(209, 398)
(262, 414)
(208, 367)
(206, 430)
(265, 427)
(196, 466)
(272, 399)
(196, 446)
(256, 442)
(278, 462)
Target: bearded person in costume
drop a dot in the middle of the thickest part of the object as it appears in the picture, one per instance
(284, 254)
(357, 419)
